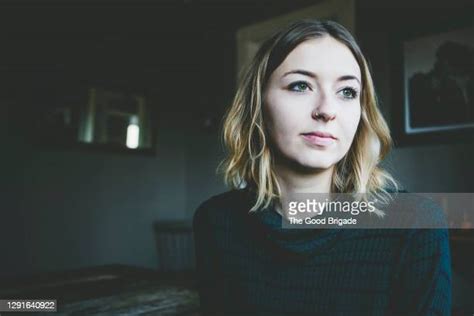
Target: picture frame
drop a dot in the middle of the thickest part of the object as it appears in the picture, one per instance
(97, 116)
(433, 84)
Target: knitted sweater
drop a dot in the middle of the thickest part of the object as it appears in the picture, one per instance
(247, 264)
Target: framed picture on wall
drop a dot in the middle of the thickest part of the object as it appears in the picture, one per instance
(434, 86)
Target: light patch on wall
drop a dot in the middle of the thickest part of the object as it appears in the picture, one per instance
(133, 133)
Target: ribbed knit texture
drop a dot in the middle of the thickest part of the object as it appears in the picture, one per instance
(247, 264)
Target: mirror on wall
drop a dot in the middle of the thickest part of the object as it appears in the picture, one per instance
(87, 116)
(96, 115)
(92, 115)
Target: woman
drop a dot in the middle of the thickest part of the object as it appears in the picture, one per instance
(305, 119)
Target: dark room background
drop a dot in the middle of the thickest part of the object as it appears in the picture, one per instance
(68, 208)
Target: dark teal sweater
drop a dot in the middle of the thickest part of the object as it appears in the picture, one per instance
(247, 264)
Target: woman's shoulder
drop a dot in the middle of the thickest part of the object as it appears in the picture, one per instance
(392, 189)
(225, 199)
(418, 210)
(223, 204)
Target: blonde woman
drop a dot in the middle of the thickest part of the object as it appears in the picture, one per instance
(305, 119)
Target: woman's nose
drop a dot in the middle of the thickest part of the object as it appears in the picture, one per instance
(325, 109)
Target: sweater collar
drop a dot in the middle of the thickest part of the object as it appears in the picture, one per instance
(291, 243)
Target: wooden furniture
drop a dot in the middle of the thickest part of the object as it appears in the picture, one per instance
(109, 290)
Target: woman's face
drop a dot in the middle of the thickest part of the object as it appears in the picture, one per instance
(315, 90)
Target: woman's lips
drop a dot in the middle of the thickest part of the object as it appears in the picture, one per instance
(318, 140)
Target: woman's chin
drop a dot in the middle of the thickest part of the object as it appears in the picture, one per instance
(312, 166)
(305, 163)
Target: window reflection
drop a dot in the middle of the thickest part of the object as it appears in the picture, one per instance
(115, 118)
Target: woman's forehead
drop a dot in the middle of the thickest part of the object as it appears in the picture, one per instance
(326, 57)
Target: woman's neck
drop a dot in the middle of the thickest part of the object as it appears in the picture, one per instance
(296, 180)
(299, 181)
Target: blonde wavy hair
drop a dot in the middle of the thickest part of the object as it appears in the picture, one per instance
(249, 161)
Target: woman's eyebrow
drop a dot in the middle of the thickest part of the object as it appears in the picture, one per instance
(313, 75)
(348, 77)
(301, 72)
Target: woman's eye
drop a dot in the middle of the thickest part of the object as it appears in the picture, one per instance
(349, 93)
(299, 86)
